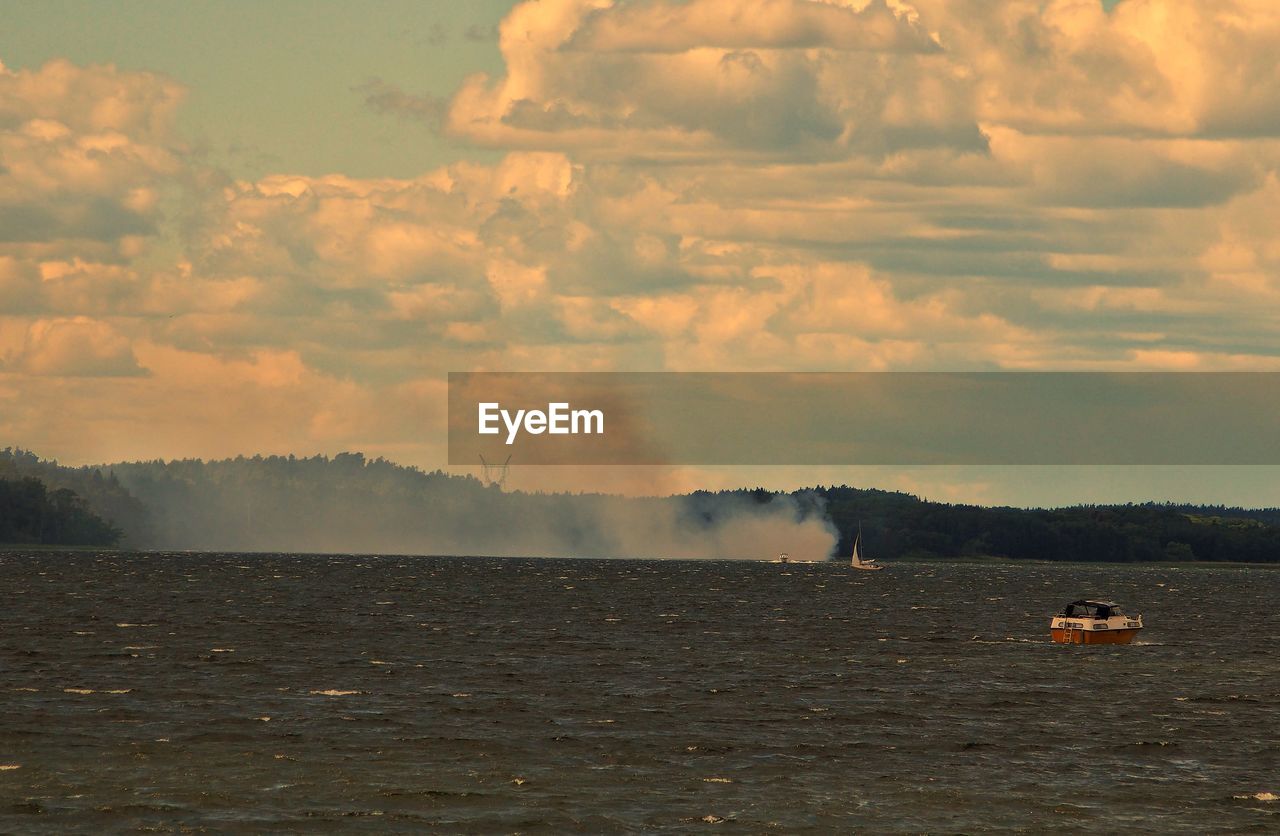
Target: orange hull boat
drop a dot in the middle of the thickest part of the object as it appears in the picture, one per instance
(1094, 622)
(1070, 636)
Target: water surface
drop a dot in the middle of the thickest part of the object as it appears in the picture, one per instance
(312, 693)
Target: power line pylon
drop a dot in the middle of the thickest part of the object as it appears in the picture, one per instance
(495, 474)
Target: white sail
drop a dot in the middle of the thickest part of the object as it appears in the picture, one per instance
(858, 562)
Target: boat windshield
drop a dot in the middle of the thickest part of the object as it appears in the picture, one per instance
(1091, 609)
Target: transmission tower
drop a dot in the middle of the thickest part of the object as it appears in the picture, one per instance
(495, 474)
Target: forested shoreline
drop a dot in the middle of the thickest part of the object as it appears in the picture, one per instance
(899, 525)
(350, 503)
(31, 514)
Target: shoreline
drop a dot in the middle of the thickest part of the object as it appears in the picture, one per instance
(888, 564)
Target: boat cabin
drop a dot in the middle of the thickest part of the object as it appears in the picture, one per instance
(1091, 609)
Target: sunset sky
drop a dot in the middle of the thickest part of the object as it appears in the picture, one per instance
(235, 228)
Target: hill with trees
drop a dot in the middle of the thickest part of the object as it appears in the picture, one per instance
(99, 493)
(31, 514)
(897, 525)
(348, 503)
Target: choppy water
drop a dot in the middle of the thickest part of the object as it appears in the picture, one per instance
(313, 693)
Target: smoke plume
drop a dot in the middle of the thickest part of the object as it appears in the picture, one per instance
(350, 504)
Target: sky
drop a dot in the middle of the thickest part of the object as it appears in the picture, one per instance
(235, 228)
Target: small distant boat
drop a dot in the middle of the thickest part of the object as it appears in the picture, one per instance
(1094, 622)
(858, 561)
(782, 558)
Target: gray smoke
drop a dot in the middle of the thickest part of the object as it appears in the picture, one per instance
(350, 504)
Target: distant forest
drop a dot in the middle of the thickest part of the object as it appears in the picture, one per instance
(31, 514)
(42, 503)
(897, 525)
(348, 503)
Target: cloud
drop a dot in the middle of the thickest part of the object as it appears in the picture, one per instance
(95, 100)
(696, 186)
(88, 155)
(76, 347)
(661, 26)
(479, 32)
(709, 78)
(1153, 67)
(1122, 172)
(437, 34)
(383, 97)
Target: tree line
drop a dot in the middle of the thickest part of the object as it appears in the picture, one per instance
(897, 525)
(31, 514)
(349, 502)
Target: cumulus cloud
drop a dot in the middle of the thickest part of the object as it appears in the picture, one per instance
(76, 347)
(87, 155)
(663, 80)
(694, 186)
(1159, 67)
(84, 152)
(90, 100)
(662, 26)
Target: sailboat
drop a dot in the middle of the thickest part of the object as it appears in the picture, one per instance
(858, 561)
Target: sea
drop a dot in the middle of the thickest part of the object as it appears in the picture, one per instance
(251, 693)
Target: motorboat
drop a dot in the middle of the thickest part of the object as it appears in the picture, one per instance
(1094, 622)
